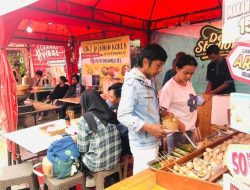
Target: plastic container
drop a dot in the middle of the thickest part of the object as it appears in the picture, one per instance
(171, 123)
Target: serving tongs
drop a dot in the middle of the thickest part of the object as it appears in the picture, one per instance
(192, 143)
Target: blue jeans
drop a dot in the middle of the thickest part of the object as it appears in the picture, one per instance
(178, 138)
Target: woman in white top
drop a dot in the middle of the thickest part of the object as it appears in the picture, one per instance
(178, 99)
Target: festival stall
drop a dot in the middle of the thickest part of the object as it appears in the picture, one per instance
(221, 158)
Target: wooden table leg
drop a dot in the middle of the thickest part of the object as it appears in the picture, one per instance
(18, 155)
(9, 158)
(35, 119)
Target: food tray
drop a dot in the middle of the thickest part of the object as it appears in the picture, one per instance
(198, 168)
(58, 130)
(218, 169)
(164, 159)
(198, 152)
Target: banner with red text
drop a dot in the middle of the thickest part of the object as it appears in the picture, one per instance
(51, 60)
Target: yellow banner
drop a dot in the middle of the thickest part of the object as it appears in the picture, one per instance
(109, 58)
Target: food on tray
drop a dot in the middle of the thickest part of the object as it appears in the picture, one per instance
(181, 152)
(171, 123)
(187, 147)
(200, 145)
(210, 162)
(203, 143)
(157, 165)
(162, 162)
(175, 154)
(197, 168)
(215, 155)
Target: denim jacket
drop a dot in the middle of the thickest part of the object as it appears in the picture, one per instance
(139, 105)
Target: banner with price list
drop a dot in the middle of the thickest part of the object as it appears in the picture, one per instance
(236, 20)
(237, 159)
(105, 60)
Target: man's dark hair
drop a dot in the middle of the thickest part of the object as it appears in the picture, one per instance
(117, 87)
(76, 77)
(186, 60)
(39, 73)
(152, 52)
(213, 49)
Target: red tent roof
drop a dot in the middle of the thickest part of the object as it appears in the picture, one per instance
(57, 20)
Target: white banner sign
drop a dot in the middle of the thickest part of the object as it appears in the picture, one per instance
(239, 62)
(240, 110)
(237, 159)
(236, 21)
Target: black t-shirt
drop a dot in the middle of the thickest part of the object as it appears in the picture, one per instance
(218, 73)
(59, 92)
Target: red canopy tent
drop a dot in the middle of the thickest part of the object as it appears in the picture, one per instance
(56, 20)
(60, 22)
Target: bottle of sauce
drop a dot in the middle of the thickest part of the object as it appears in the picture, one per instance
(67, 121)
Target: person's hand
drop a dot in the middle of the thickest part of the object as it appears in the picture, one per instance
(181, 127)
(164, 113)
(156, 130)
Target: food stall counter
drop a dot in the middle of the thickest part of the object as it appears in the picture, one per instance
(145, 180)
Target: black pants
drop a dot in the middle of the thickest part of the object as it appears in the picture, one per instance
(62, 111)
(125, 145)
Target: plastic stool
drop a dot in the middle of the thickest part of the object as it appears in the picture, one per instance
(18, 174)
(61, 184)
(101, 175)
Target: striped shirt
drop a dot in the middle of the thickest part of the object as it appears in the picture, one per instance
(101, 150)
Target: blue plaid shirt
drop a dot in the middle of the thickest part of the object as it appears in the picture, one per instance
(100, 150)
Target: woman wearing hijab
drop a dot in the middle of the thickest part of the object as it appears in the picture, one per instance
(98, 138)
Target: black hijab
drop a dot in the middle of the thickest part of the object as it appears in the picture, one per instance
(92, 103)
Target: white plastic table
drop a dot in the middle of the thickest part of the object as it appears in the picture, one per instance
(34, 140)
